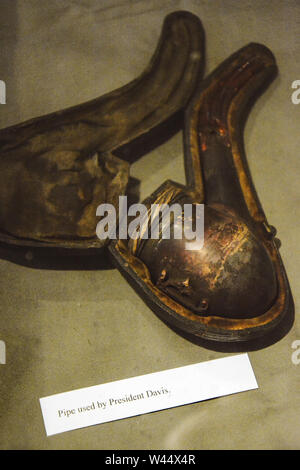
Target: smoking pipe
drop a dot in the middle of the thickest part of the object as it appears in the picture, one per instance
(234, 288)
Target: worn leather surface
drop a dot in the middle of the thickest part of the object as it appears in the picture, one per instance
(68, 329)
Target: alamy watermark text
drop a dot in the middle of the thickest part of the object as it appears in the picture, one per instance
(2, 352)
(296, 94)
(2, 92)
(159, 221)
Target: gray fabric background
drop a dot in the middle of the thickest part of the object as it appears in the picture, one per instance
(71, 329)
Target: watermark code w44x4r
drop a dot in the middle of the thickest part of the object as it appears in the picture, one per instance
(296, 94)
(2, 352)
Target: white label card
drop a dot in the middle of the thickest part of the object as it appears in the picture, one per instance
(147, 393)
